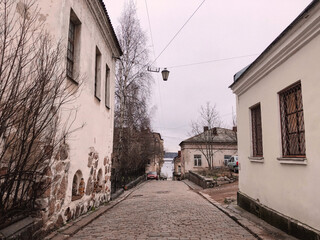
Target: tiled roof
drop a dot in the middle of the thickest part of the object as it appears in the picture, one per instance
(112, 29)
(220, 135)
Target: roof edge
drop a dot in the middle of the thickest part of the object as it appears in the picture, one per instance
(114, 36)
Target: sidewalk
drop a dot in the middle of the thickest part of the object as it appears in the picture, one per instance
(74, 226)
(259, 228)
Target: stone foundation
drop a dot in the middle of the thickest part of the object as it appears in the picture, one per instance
(286, 224)
(90, 190)
(200, 180)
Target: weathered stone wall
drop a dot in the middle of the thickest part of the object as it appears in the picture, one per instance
(93, 190)
(200, 180)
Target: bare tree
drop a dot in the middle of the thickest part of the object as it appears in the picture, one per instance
(234, 119)
(33, 92)
(133, 83)
(208, 133)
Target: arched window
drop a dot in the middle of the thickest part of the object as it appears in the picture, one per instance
(77, 186)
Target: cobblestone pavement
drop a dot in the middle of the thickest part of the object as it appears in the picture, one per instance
(163, 210)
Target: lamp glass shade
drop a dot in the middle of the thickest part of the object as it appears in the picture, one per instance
(165, 74)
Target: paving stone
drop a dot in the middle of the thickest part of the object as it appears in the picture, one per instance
(163, 210)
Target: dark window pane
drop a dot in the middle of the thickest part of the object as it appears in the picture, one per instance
(70, 50)
(256, 131)
(292, 123)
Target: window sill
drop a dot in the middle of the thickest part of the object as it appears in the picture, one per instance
(256, 159)
(292, 161)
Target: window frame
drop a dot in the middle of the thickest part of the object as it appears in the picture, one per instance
(226, 159)
(97, 74)
(107, 87)
(70, 49)
(299, 121)
(73, 52)
(256, 130)
(197, 161)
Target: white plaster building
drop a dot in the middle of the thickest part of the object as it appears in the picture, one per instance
(223, 144)
(278, 129)
(168, 167)
(91, 49)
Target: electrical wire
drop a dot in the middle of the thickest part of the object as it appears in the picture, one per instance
(178, 32)
(154, 53)
(214, 60)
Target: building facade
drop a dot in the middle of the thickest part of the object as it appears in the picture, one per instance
(82, 170)
(155, 160)
(177, 167)
(168, 165)
(222, 144)
(278, 129)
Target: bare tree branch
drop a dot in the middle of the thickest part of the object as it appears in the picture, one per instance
(33, 91)
(206, 130)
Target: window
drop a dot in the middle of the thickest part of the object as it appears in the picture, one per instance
(257, 150)
(292, 123)
(107, 87)
(70, 51)
(226, 158)
(97, 75)
(197, 160)
(73, 46)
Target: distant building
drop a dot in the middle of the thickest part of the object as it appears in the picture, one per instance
(167, 168)
(278, 129)
(177, 172)
(222, 143)
(155, 162)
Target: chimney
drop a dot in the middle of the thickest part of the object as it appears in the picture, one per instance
(214, 131)
(205, 128)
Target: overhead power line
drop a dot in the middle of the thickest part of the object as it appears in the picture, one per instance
(178, 31)
(154, 53)
(214, 60)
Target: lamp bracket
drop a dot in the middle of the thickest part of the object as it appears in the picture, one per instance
(153, 69)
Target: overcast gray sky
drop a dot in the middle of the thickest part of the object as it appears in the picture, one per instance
(228, 35)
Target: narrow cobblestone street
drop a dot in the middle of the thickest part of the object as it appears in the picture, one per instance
(163, 210)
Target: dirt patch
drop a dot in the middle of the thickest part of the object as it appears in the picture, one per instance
(224, 193)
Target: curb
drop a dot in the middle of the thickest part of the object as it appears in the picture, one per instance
(245, 223)
(73, 227)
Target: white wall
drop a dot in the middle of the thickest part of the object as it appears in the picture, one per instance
(167, 168)
(287, 188)
(97, 131)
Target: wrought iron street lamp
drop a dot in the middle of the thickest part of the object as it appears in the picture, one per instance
(165, 74)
